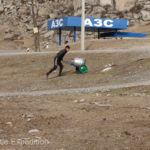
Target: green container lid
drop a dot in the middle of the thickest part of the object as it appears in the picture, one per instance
(83, 69)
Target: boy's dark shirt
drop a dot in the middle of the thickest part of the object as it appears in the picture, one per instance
(60, 55)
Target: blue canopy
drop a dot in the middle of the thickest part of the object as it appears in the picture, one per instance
(110, 26)
(102, 23)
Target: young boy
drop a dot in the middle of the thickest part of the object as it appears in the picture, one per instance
(58, 61)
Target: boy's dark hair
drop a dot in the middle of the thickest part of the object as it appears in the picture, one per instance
(67, 47)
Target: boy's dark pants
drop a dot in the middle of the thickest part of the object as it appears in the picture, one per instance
(57, 62)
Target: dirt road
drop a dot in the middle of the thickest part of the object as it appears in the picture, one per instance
(73, 91)
(17, 52)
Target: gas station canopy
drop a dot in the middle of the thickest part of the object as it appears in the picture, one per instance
(70, 22)
(92, 25)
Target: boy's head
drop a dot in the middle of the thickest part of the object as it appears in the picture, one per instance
(67, 48)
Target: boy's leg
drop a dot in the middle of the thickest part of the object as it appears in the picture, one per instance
(54, 67)
(61, 68)
(51, 70)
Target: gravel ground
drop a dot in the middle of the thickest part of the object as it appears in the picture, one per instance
(73, 91)
(19, 52)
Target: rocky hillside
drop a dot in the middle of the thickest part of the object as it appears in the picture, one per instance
(16, 15)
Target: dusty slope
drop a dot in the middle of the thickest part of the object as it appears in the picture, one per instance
(90, 44)
(70, 126)
(13, 44)
(27, 72)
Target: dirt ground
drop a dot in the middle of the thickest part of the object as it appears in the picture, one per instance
(108, 119)
(28, 72)
(104, 120)
(70, 122)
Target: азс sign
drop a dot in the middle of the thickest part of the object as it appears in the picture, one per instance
(89, 23)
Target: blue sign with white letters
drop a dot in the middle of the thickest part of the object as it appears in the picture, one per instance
(66, 22)
(99, 25)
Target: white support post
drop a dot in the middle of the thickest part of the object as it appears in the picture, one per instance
(83, 27)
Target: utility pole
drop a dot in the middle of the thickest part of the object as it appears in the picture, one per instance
(83, 27)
